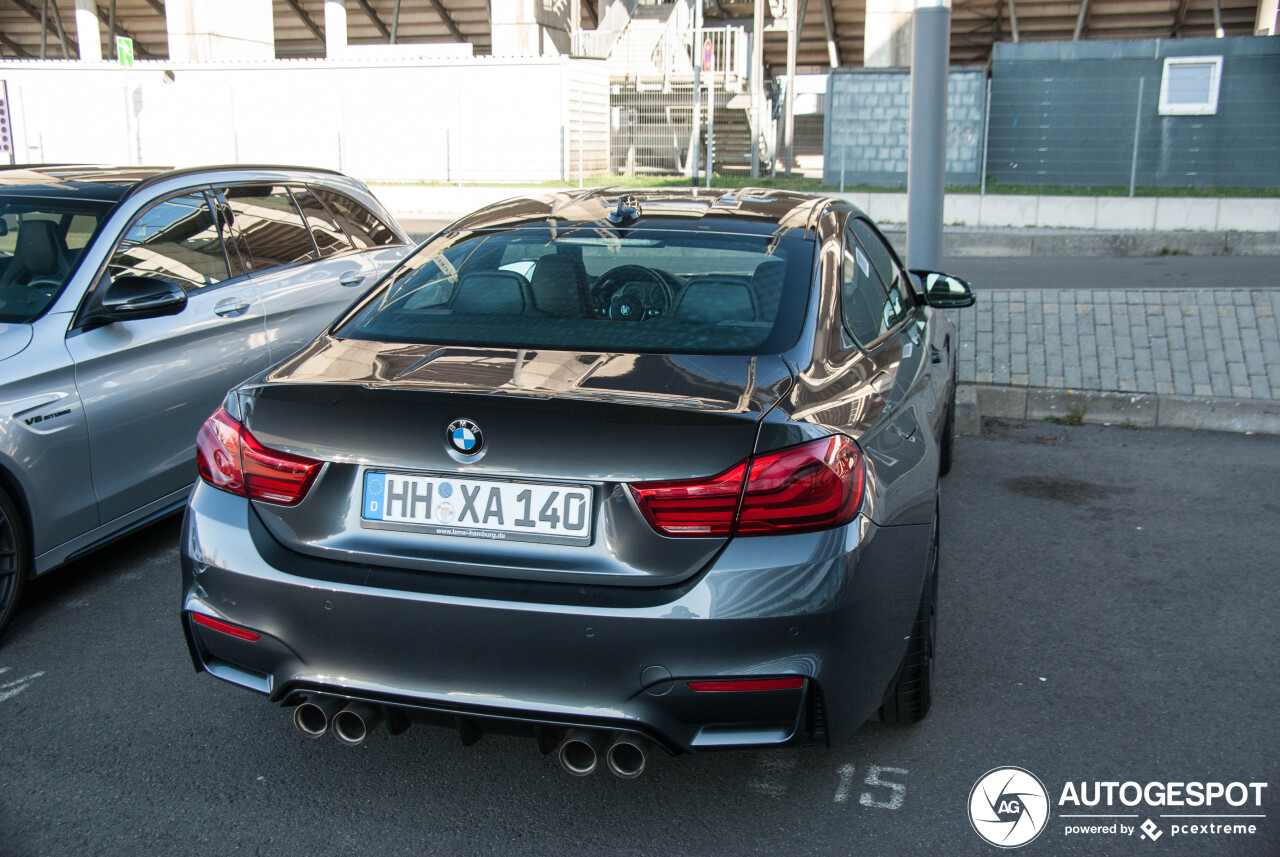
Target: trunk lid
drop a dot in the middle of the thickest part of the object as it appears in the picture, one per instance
(582, 422)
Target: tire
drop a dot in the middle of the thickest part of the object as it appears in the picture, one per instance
(948, 440)
(14, 559)
(910, 694)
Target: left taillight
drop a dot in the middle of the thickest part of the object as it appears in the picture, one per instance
(231, 459)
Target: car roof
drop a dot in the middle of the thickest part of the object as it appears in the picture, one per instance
(109, 184)
(751, 209)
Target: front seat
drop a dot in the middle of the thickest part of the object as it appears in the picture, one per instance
(491, 293)
(559, 285)
(713, 301)
(38, 253)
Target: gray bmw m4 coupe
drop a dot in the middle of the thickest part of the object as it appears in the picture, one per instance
(616, 470)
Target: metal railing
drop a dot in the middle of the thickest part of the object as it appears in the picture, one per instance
(599, 43)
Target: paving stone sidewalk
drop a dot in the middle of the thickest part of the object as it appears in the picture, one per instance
(1221, 343)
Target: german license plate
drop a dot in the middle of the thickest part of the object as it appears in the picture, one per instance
(482, 508)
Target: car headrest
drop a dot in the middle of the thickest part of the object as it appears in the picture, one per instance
(557, 286)
(39, 248)
(767, 282)
(497, 292)
(714, 301)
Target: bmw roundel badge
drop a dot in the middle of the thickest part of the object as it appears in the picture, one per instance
(465, 437)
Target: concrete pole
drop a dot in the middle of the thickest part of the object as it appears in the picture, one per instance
(789, 122)
(926, 156)
(335, 28)
(695, 133)
(1265, 23)
(88, 34)
(757, 85)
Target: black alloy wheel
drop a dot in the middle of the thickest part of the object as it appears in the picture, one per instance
(13, 560)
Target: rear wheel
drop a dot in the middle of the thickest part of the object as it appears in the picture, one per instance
(911, 692)
(13, 559)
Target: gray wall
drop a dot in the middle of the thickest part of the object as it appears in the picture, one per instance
(867, 119)
(1065, 114)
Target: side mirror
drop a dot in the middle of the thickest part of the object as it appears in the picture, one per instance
(130, 297)
(945, 291)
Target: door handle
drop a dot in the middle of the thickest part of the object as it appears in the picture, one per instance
(230, 306)
(351, 278)
(882, 383)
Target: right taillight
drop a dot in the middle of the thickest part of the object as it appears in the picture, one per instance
(811, 487)
(231, 459)
(814, 486)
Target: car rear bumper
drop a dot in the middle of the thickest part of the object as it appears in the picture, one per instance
(833, 608)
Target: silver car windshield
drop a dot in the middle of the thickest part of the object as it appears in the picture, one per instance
(41, 241)
(588, 289)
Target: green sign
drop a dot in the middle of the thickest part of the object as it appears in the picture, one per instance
(124, 50)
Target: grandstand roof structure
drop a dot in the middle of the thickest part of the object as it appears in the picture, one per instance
(975, 26)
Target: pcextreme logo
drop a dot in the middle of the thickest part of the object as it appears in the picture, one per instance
(1010, 807)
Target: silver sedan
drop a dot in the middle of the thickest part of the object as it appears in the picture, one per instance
(131, 300)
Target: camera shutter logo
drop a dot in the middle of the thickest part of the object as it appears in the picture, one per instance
(1008, 807)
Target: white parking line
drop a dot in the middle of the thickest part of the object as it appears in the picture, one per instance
(11, 689)
(846, 780)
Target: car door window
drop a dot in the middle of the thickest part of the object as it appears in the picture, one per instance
(176, 240)
(863, 300)
(364, 227)
(891, 276)
(271, 229)
(329, 237)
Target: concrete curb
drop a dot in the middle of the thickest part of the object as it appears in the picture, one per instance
(975, 402)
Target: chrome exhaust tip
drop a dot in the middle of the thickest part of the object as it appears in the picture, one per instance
(353, 724)
(626, 757)
(312, 716)
(579, 752)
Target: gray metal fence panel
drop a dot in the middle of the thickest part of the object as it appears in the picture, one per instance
(868, 126)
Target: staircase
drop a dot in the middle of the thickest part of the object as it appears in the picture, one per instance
(650, 54)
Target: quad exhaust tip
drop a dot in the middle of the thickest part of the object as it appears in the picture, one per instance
(582, 751)
(313, 716)
(579, 752)
(353, 724)
(626, 758)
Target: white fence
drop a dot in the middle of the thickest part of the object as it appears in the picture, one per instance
(477, 119)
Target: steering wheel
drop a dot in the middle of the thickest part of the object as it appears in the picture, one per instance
(631, 293)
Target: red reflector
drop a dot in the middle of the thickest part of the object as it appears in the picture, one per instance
(230, 458)
(747, 684)
(230, 630)
(814, 486)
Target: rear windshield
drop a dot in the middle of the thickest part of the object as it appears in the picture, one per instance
(589, 289)
(41, 240)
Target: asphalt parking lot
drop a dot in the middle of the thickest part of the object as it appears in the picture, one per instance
(1109, 612)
